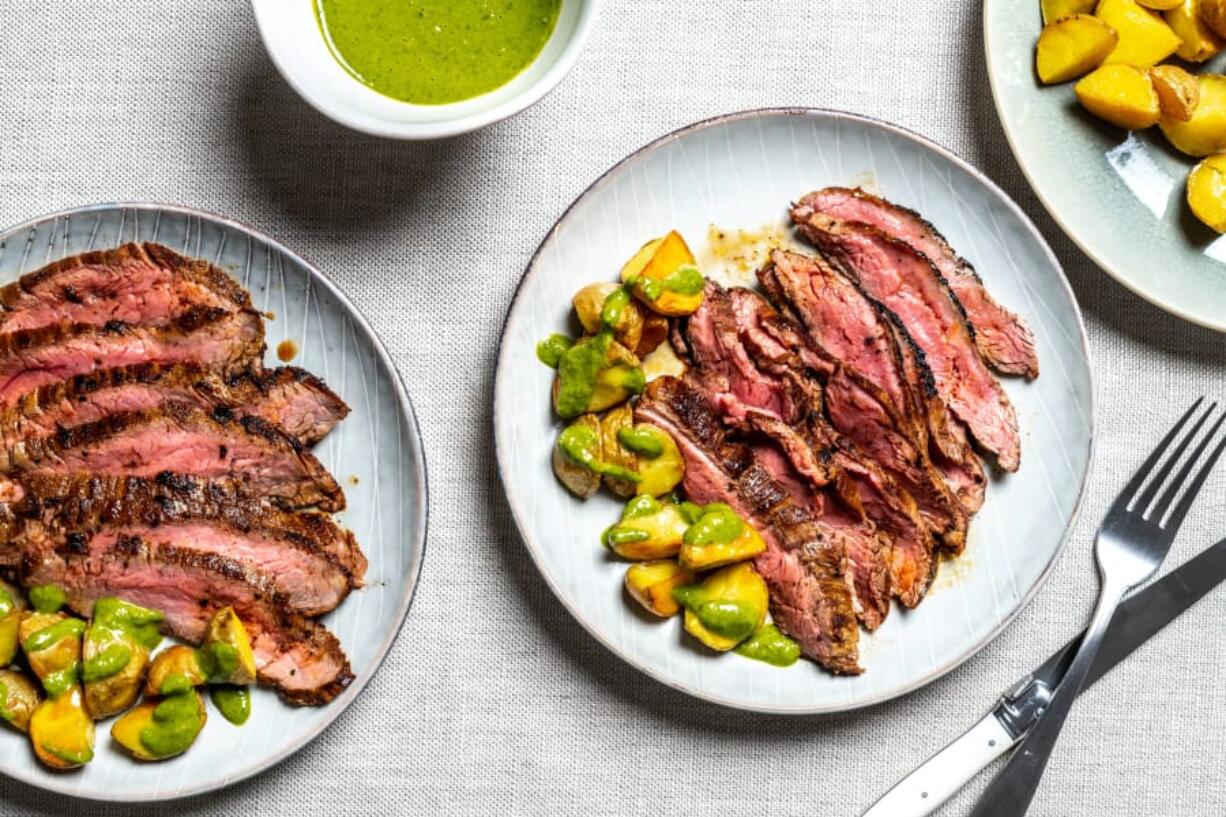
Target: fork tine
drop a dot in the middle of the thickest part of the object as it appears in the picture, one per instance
(1138, 479)
(1142, 505)
(1181, 510)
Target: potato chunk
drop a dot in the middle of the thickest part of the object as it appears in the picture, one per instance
(651, 584)
(1145, 38)
(19, 697)
(1199, 43)
(1054, 10)
(61, 732)
(728, 607)
(648, 529)
(589, 304)
(1178, 91)
(719, 537)
(1205, 133)
(1120, 94)
(1073, 47)
(1159, 5)
(614, 453)
(1207, 192)
(665, 277)
(1213, 14)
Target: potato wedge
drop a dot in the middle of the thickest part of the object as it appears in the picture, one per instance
(655, 333)
(1178, 91)
(717, 539)
(1213, 14)
(1159, 5)
(648, 529)
(159, 729)
(614, 453)
(1199, 42)
(651, 584)
(1120, 94)
(580, 480)
(1145, 38)
(225, 654)
(666, 278)
(1072, 47)
(588, 303)
(1207, 192)
(174, 670)
(1205, 133)
(726, 608)
(661, 466)
(19, 697)
(1054, 10)
(11, 608)
(61, 732)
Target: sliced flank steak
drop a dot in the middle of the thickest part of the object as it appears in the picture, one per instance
(145, 284)
(804, 565)
(293, 653)
(312, 562)
(296, 401)
(180, 439)
(230, 342)
(1004, 339)
(907, 284)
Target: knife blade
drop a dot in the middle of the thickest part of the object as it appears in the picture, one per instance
(1137, 620)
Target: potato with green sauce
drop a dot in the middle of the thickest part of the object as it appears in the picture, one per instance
(726, 608)
(1207, 192)
(1144, 37)
(225, 653)
(115, 655)
(651, 584)
(175, 669)
(1205, 133)
(61, 731)
(161, 729)
(1122, 95)
(577, 458)
(589, 304)
(664, 276)
(612, 452)
(718, 537)
(1072, 47)
(648, 529)
(11, 609)
(660, 466)
(52, 645)
(19, 697)
(595, 374)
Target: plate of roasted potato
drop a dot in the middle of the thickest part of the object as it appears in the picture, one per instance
(1116, 112)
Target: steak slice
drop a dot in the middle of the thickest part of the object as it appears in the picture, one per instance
(804, 562)
(907, 283)
(293, 653)
(313, 563)
(1004, 339)
(290, 398)
(136, 283)
(230, 342)
(185, 440)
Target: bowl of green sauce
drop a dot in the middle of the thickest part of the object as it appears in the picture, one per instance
(423, 69)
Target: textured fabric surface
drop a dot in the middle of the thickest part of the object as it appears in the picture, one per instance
(493, 700)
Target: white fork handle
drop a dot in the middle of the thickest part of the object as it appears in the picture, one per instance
(945, 773)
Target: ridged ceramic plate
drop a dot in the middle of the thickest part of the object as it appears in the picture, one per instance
(740, 172)
(375, 453)
(1119, 196)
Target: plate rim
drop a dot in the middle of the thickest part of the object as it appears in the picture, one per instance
(500, 383)
(1094, 256)
(420, 533)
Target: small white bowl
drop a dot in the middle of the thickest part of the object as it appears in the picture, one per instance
(294, 42)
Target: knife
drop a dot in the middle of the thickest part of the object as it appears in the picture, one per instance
(1136, 621)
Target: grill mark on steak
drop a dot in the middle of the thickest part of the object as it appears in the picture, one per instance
(184, 440)
(804, 563)
(295, 400)
(135, 283)
(1004, 339)
(293, 653)
(230, 342)
(907, 283)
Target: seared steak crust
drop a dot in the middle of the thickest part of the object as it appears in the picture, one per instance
(185, 440)
(295, 400)
(1004, 340)
(230, 342)
(804, 564)
(136, 283)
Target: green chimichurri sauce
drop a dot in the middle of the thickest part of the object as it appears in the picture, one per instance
(718, 525)
(581, 446)
(57, 683)
(7, 605)
(110, 661)
(645, 442)
(550, 350)
(233, 702)
(218, 660)
(771, 646)
(46, 598)
(432, 52)
(173, 727)
(44, 638)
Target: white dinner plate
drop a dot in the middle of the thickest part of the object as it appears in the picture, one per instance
(375, 454)
(740, 172)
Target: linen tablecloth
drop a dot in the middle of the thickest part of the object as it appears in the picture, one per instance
(494, 700)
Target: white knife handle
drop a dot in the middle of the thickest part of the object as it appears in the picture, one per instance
(942, 775)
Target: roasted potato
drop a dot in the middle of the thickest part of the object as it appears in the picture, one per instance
(156, 730)
(660, 464)
(1144, 37)
(589, 303)
(52, 644)
(61, 731)
(175, 669)
(595, 374)
(225, 654)
(1199, 43)
(720, 537)
(648, 529)
(11, 609)
(572, 467)
(19, 697)
(1205, 133)
(1054, 10)
(613, 452)
(1120, 94)
(655, 332)
(1160, 5)
(1207, 191)
(1178, 91)
(1072, 47)
(651, 584)
(115, 655)
(664, 276)
(726, 608)
(1213, 14)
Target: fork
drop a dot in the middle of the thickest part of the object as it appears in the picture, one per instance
(1131, 542)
